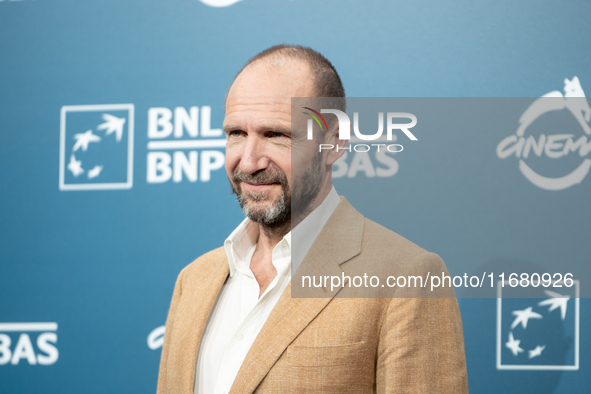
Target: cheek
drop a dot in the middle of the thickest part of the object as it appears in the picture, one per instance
(301, 158)
(232, 160)
(283, 163)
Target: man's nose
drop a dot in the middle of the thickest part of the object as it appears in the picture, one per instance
(254, 156)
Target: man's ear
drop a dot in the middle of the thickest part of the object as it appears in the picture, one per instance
(332, 138)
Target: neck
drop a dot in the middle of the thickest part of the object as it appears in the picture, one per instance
(271, 235)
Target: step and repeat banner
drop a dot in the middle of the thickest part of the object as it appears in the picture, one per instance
(112, 171)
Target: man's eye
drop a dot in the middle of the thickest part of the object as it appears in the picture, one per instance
(235, 133)
(277, 134)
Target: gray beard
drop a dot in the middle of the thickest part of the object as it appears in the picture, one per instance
(279, 212)
(272, 215)
(305, 189)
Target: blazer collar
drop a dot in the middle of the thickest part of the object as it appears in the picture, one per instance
(213, 270)
(339, 241)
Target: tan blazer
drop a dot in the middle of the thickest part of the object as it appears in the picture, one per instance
(329, 344)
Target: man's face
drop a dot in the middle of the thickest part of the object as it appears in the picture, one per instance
(259, 145)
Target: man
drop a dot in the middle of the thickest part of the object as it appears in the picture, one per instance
(233, 325)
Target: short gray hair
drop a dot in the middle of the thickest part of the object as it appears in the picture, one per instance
(327, 82)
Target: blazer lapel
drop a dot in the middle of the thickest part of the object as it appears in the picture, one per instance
(339, 241)
(206, 283)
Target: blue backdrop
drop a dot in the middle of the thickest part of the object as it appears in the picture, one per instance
(112, 173)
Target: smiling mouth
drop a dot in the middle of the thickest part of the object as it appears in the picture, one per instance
(261, 183)
(258, 186)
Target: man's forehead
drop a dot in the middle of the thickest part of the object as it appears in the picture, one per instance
(260, 113)
(257, 107)
(272, 82)
(254, 101)
(262, 93)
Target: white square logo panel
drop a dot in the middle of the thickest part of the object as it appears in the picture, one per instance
(538, 333)
(96, 147)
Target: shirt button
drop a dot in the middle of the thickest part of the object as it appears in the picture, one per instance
(239, 336)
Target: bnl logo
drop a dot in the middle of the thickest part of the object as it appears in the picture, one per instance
(538, 333)
(18, 346)
(96, 147)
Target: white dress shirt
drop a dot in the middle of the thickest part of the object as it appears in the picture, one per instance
(239, 314)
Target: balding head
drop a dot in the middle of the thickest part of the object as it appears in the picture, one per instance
(261, 147)
(321, 73)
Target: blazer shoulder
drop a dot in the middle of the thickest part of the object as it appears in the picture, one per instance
(378, 236)
(381, 241)
(205, 264)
